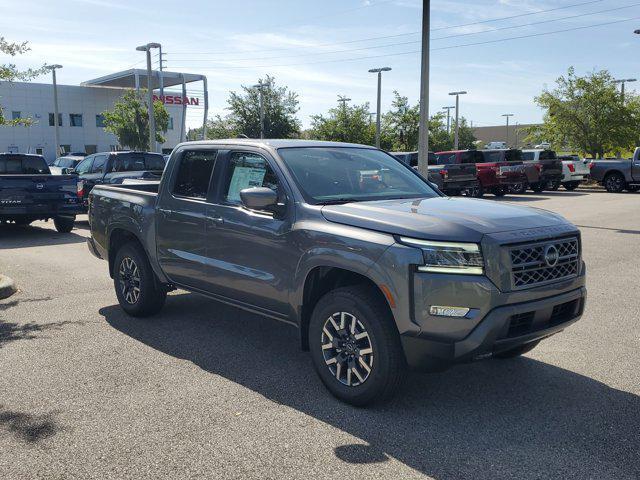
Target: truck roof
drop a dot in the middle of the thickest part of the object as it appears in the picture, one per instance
(274, 143)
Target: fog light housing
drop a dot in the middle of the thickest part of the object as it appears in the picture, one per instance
(443, 311)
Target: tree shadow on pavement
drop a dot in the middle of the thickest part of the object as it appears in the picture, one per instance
(27, 427)
(13, 236)
(519, 418)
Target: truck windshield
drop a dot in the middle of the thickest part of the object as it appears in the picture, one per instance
(344, 174)
(23, 165)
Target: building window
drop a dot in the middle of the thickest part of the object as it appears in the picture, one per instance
(90, 149)
(52, 119)
(65, 149)
(100, 121)
(16, 115)
(170, 123)
(39, 151)
(75, 119)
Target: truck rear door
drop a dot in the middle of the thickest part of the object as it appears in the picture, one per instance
(181, 217)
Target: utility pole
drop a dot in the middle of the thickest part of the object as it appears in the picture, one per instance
(423, 130)
(161, 75)
(152, 119)
(457, 133)
(342, 99)
(507, 115)
(56, 119)
(448, 109)
(379, 72)
(260, 86)
(622, 82)
(517, 139)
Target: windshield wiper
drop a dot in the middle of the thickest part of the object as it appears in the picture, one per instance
(338, 201)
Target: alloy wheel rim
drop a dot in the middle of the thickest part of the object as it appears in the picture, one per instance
(347, 349)
(129, 277)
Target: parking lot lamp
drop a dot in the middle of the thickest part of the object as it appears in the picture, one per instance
(457, 133)
(423, 127)
(379, 72)
(448, 109)
(56, 120)
(507, 115)
(260, 86)
(152, 120)
(622, 82)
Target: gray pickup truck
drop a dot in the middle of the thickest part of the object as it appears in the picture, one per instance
(378, 272)
(619, 174)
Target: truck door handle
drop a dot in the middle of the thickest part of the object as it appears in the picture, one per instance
(164, 211)
(215, 220)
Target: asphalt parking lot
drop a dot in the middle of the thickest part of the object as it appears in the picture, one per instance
(207, 391)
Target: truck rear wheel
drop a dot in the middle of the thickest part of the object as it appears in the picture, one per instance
(355, 346)
(499, 191)
(614, 183)
(571, 186)
(137, 288)
(64, 224)
(537, 187)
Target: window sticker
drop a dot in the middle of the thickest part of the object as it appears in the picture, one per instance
(244, 177)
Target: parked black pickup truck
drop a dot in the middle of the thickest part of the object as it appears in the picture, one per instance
(29, 192)
(115, 167)
(451, 179)
(375, 268)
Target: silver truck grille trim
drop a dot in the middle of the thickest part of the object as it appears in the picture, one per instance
(544, 262)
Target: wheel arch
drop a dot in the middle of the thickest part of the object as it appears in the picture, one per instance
(118, 237)
(322, 279)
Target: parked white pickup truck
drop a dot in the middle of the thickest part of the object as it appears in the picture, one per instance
(574, 171)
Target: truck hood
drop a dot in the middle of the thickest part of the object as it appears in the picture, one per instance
(441, 218)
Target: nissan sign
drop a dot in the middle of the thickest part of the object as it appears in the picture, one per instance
(176, 100)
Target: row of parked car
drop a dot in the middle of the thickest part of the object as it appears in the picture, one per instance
(502, 171)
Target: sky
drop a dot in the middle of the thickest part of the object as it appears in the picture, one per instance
(322, 49)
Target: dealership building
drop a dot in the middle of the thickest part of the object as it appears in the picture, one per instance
(80, 110)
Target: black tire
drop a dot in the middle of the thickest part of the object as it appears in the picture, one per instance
(554, 186)
(64, 224)
(538, 187)
(127, 277)
(478, 192)
(633, 188)
(499, 191)
(571, 186)
(372, 316)
(518, 188)
(516, 352)
(614, 182)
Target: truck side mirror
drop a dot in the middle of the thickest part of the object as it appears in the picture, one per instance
(68, 171)
(259, 198)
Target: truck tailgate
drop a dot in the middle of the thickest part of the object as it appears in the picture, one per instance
(461, 172)
(36, 193)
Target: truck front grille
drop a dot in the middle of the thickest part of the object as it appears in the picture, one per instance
(544, 262)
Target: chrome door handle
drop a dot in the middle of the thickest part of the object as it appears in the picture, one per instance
(215, 220)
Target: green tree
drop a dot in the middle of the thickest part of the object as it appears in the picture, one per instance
(344, 123)
(9, 73)
(280, 109)
(466, 139)
(586, 114)
(129, 120)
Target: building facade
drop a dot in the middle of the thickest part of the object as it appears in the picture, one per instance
(514, 137)
(80, 110)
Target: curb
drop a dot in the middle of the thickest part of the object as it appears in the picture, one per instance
(7, 287)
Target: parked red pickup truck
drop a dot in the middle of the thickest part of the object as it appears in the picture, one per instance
(496, 169)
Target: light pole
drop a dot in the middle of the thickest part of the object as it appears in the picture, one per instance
(379, 72)
(152, 119)
(342, 99)
(161, 75)
(260, 86)
(622, 82)
(507, 115)
(457, 134)
(448, 109)
(423, 129)
(56, 120)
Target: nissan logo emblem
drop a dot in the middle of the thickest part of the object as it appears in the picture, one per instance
(551, 255)
(39, 186)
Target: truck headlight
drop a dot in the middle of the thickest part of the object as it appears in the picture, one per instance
(448, 257)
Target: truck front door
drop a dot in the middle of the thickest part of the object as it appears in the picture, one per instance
(635, 168)
(249, 256)
(181, 218)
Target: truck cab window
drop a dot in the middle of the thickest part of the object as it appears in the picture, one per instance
(84, 166)
(248, 170)
(99, 164)
(194, 173)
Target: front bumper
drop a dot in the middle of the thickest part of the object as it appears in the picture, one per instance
(503, 328)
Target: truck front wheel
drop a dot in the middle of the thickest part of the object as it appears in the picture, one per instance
(355, 346)
(139, 292)
(64, 224)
